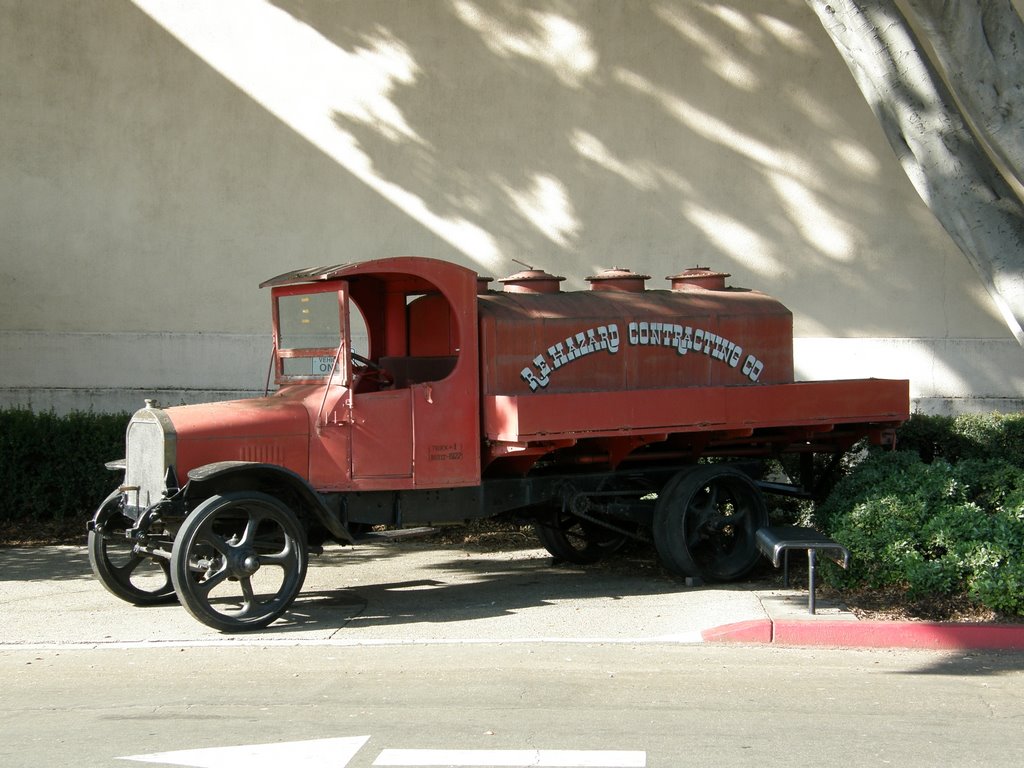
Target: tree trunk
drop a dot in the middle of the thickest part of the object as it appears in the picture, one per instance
(980, 46)
(954, 177)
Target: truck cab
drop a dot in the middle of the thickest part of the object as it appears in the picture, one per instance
(385, 362)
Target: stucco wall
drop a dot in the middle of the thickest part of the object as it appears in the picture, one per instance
(161, 158)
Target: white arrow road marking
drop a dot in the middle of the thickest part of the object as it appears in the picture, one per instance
(319, 753)
(512, 758)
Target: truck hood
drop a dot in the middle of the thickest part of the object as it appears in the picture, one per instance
(271, 430)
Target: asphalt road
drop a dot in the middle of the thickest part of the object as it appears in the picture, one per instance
(408, 656)
(667, 705)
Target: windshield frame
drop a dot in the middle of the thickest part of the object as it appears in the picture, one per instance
(338, 369)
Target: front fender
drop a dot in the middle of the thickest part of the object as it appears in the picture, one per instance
(226, 476)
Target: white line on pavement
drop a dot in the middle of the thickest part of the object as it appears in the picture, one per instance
(684, 638)
(511, 758)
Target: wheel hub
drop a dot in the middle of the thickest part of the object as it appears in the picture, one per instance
(251, 564)
(246, 565)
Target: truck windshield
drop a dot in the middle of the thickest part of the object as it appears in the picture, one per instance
(308, 334)
(309, 321)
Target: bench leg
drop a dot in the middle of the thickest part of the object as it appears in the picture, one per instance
(811, 568)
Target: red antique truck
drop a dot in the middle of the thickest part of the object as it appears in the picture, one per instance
(588, 412)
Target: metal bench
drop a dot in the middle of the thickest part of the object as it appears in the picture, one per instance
(775, 542)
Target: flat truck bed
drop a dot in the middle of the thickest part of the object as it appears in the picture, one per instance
(822, 414)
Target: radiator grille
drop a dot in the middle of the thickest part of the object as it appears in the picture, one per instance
(148, 453)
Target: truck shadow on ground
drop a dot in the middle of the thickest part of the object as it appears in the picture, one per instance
(476, 590)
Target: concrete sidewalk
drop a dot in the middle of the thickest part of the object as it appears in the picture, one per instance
(412, 593)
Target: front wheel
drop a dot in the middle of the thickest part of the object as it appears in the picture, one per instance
(238, 561)
(117, 563)
(706, 521)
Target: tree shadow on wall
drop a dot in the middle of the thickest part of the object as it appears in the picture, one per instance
(584, 134)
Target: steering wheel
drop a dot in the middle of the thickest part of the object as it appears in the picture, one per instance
(371, 370)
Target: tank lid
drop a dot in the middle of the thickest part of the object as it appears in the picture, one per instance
(531, 281)
(618, 279)
(698, 277)
(481, 283)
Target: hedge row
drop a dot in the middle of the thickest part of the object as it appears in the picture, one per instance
(944, 516)
(970, 436)
(51, 467)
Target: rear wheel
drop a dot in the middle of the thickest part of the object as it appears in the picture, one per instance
(706, 521)
(133, 576)
(576, 540)
(238, 561)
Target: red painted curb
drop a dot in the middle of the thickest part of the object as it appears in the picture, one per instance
(925, 635)
(754, 631)
(900, 634)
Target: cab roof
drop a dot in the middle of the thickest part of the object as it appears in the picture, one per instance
(433, 270)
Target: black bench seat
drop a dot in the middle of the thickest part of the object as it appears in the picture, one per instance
(776, 541)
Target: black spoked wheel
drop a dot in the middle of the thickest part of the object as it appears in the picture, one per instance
(238, 561)
(575, 540)
(135, 577)
(706, 521)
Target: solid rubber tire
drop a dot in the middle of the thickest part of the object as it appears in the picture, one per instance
(190, 587)
(681, 540)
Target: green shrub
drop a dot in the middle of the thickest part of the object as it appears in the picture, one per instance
(51, 467)
(970, 436)
(935, 528)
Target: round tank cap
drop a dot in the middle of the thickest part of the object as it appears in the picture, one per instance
(699, 277)
(618, 279)
(531, 281)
